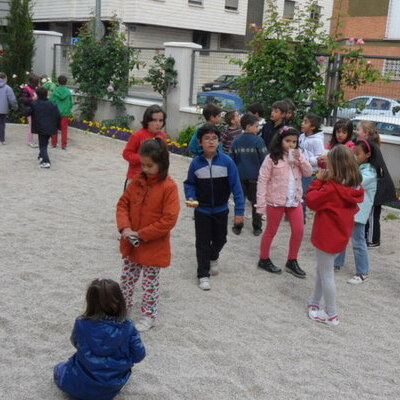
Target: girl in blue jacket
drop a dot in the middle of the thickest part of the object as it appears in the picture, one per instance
(107, 343)
(365, 153)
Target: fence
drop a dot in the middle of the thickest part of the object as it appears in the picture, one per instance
(208, 65)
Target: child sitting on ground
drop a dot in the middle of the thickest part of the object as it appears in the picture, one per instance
(248, 152)
(232, 119)
(107, 344)
(211, 178)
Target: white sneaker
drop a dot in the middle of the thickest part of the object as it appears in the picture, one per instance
(44, 165)
(145, 323)
(204, 284)
(321, 316)
(214, 267)
(358, 278)
(34, 145)
(311, 308)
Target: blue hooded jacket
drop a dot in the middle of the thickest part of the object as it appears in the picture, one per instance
(106, 352)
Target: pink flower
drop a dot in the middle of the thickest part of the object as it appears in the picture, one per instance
(360, 41)
(352, 40)
(321, 59)
(110, 88)
(368, 62)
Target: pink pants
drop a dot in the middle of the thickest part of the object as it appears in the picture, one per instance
(274, 217)
(64, 134)
(150, 285)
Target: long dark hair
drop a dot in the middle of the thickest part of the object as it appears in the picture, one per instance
(104, 299)
(370, 147)
(148, 115)
(344, 125)
(276, 151)
(156, 149)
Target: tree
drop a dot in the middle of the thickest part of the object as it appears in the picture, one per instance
(19, 43)
(162, 76)
(101, 68)
(287, 60)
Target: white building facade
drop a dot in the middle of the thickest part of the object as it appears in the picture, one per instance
(214, 24)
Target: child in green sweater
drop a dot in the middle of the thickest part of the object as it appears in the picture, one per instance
(63, 98)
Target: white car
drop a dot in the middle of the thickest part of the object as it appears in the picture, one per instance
(384, 125)
(369, 105)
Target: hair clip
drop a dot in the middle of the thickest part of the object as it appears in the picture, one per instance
(284, 129)
(366, 142)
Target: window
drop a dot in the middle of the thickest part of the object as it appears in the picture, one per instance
(391, 68)
(379, 105)
(231, 4)
(198, 2)
(315, 14)
(288, 9)
(203, 38)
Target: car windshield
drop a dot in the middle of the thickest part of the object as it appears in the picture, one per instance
(357, 103)
(221, 78)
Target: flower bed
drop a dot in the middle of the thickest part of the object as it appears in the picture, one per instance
(116, 132)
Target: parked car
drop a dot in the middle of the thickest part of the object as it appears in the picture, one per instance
(223, 82)
(369, 105)
(384, 125)
(226, 100)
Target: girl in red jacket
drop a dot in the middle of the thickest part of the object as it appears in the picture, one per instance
(146, 213)
(153, 121)
(334, 197)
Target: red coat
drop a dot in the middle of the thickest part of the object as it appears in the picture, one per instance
(335, 207)
(149, 207)
(131, 151)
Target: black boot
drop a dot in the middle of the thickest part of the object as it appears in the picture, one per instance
(237, 229)
(267, 265)
(292, 266)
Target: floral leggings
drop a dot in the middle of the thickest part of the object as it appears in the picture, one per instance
(150, 285)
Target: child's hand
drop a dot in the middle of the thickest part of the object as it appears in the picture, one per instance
(296, 154)
(128, 232)
(238, 219)
(192, 203)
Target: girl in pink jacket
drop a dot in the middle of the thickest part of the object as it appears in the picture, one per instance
(279, 191)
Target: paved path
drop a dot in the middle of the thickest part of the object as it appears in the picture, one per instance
(248, 338)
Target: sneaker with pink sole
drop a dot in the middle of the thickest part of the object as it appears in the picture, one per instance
(321, 316)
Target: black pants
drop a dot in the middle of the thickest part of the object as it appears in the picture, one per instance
(373, 226)
(43, 143)
(2, 127)
(211, 231)
(249, 187)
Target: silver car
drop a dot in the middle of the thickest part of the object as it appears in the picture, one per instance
(371, 105)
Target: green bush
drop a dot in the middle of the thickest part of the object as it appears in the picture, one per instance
(186, 134)
(122, 121)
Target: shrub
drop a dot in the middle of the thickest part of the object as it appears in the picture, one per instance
(122, 121)
(186, 134)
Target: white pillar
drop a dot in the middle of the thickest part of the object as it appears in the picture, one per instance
(44, 51)
(179, 97)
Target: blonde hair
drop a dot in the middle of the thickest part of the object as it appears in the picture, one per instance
(343, 167)
(370, 128)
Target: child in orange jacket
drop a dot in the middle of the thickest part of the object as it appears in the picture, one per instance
(146, 213)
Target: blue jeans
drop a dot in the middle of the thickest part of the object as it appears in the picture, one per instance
(360, 250)
(305, 183)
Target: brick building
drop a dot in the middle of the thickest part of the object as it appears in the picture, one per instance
(377, 22)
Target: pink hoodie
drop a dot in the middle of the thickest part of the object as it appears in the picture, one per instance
(273, 180)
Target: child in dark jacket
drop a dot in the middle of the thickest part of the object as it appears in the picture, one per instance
(107, 343)
(212, 176)
(27, 96)
(45, 122)
(277, 121)
(248, 152)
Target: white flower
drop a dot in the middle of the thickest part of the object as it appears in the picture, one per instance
(14, 76)
(27, 73)
(110, 88)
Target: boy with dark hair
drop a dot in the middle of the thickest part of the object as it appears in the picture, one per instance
(277, 120)
(232, 119)
(248, 152)
(211, 178)
(311, 142)
(257, 109)
(7, 100)
(291, 110)
(45, 121)
(213, 115)
(63, 98)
